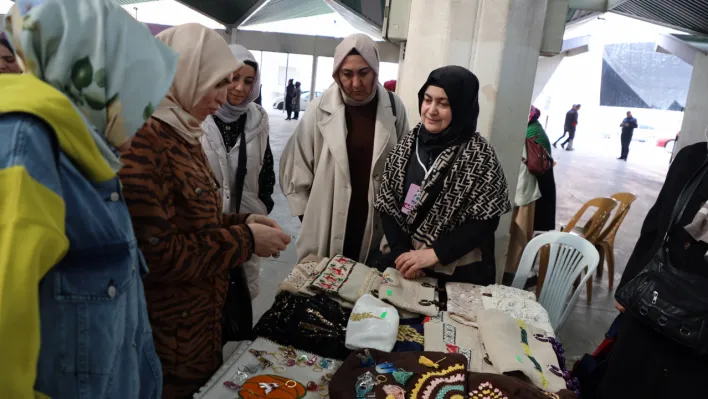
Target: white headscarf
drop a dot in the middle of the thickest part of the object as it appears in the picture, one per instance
(366, 47)
(228, 112)
(204, 61)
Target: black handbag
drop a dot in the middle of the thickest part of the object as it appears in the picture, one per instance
(671, 301)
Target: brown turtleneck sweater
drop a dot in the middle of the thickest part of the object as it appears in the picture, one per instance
(361, 124)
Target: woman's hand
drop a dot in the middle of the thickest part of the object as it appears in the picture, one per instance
(412, 263)
(264, 220)
(619, 307)
(269, 241)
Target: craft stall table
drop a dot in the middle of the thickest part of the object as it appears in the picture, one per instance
(339, 329)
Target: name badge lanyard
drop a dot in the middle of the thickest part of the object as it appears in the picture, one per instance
(417, 155)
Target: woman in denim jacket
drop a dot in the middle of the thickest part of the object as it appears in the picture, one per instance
(73, 318)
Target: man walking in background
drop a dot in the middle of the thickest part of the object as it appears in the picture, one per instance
(628, 125)
(571, 121)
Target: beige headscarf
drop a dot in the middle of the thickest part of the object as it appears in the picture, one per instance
(204, 60)
(367, 49)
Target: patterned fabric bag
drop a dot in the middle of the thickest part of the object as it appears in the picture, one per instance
(497, 386)
(346, 279)
(418, 296)
(512, 345)
(443, 334)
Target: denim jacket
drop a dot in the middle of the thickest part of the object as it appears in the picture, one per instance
(94, 338)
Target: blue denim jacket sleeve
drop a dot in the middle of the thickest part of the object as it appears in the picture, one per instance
(32, 241)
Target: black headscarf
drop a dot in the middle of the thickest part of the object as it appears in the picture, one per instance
(462, 88)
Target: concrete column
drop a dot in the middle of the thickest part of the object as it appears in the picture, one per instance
(695, 115)
(546, 68)
(313, 84)
(499, 40)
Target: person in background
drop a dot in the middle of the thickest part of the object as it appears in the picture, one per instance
(189, 243)
(644, 363)
(545, 209)
(8, 61)
(331, 167)
(443, 190)
(240, 129)
(289, 94)
(628, 125)
(73, 317)
(390, 85)
(571, 122)
(296, 101)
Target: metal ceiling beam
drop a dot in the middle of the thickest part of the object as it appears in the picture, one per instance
(660, 23)
(251, 11)
(303, 44)
(595, 5)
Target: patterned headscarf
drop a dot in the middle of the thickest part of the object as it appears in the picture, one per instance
(107, 63)
(228, 112)
(204, 61)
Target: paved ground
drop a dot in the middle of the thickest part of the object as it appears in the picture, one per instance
(590, 171)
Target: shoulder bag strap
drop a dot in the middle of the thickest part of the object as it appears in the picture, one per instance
(393, 107)
(684, 198)
(242, 158)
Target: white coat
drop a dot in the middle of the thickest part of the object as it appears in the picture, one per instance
(314, 172)
(224, 164)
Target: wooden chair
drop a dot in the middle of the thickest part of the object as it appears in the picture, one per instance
(606, 241)
(593, 228)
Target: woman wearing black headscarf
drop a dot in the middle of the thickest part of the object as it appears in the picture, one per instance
(444, 190)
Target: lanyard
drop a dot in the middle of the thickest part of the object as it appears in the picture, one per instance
(417, 155)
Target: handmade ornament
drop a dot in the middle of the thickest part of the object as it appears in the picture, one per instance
(366, 359)
(401, 376)
(257, 353)
(311, 362)
(450, 383)
(385, 368)
(232, 385)
(429, 363)
(272, 387)
(250, 369)
(364, 384)
(326, 364)
(380, 379)
(311, 386)
(394, 392)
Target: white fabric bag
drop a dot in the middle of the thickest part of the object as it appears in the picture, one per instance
(373, 324)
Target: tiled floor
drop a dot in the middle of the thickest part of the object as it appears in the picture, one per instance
(591, 171)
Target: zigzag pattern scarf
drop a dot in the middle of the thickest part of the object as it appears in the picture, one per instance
(475, 188)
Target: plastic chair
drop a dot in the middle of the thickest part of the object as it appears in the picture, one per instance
(593, 228)
(570, 257)
(606, 241)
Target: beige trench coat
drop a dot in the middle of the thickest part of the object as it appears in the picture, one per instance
(314, 172)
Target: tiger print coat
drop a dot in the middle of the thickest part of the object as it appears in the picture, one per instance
(189, 245)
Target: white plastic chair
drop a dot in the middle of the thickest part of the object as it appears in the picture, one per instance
(570, 256)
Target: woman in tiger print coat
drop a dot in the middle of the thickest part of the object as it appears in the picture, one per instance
(176, 207)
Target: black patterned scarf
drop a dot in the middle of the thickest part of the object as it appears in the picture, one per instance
(473, 182)
(474, 188)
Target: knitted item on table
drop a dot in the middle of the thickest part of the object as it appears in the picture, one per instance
(450, 336)
(497, 386)
(417, 295)
(346, 279)
(410, 336)
(466, 300)
(372, 324)
(424, 382)
(299, 279)
(512, 346)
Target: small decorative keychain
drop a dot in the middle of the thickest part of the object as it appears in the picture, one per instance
(394, 392)
(429, 363)
(364, 384)
(401, 376)
(385, 368)
(257, 353)
(366, 359)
